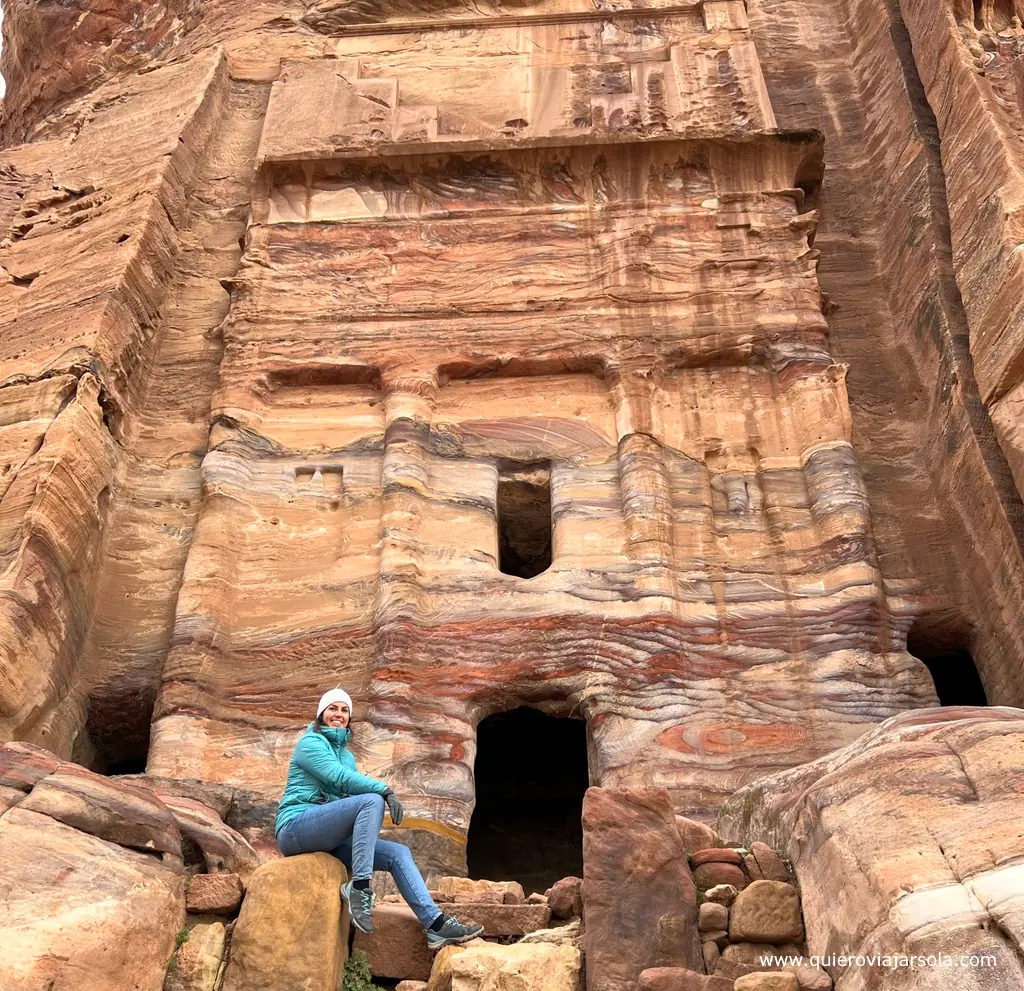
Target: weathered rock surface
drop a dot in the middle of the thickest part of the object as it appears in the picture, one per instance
(467, 891)
(670, 528)
(724, 894)
(565, 897)
(696, 835)
(216, 894)
(293, 294)
(503, 920)
(292, 933)
(716, 874)
(123, 814)
(741, 958)
(518, 967)
(768, 862)
(79, 911)
(198, 961)
(766, 912)
(766, 981)
(713, 916)
(223, 849)
(918, 826)
(678, 979)
(396, 948)
(640, 903)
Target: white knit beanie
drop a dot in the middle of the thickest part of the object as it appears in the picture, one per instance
(329, 698)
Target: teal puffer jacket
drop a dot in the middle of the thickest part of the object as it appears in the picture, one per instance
(322, 769)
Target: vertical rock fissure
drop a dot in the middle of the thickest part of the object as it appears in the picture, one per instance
(150, 527)
(957, 363)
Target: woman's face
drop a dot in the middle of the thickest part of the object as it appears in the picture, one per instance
(336, 715)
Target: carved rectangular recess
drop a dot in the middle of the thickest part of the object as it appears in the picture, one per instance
(760, 470)
(537, 454)
(679, 72)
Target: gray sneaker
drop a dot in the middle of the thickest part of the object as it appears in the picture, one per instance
(452, 931)
(360, 903)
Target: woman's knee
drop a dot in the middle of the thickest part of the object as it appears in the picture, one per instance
(393, 854)
(374, 801)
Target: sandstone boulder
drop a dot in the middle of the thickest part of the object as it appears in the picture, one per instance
(23, 764)
(711, 875)
(716, 855)
(766, 912)
(9, 797)
(696, 836)
(711, 953)
(565, 897)
(464, 890)
(720, 937)
(679, 979)
(128, 815)
(918, 825)
(83, 912)
(768, 862)
(291, 934)
(739, 959)
(639, 900)
(397, 947)
(724, 894)
(214, 894)
(198, 960)
(502, 920)
(441, 970)
(569, 933)
(518, 967)
(223, 849)
(713, 916)
(411, 986)
(767, 981)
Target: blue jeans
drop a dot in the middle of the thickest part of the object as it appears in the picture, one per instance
(347, 829)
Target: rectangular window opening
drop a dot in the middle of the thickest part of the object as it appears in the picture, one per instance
(322, 477)
(524, 521)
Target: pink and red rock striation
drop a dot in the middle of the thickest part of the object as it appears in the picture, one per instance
(291, 293)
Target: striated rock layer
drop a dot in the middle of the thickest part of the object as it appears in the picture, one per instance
(473, 356)
(908, 843)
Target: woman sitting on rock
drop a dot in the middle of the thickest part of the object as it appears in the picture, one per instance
(329, 806)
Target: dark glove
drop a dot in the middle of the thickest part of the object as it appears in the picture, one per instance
(394, 807)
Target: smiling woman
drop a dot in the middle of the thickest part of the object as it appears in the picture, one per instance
(328, 806)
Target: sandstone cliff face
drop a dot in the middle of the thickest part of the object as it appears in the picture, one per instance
(654, 364)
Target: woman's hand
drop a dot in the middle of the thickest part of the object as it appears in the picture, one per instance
(394, 807)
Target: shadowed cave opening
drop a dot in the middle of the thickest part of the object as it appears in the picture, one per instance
(524, 521)
(531, 773)
(117, 729)
(956, 677)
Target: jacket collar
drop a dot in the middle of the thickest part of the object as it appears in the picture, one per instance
(337, 737)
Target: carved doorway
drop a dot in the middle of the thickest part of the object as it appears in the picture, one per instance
(531, 773)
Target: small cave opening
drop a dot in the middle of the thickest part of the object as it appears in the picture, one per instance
(531, 773)
(524, 521)
(117, 730)
(949, 662)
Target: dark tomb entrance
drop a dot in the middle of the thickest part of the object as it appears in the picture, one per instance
(950, 664)
(116, 739)
(530, 773)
